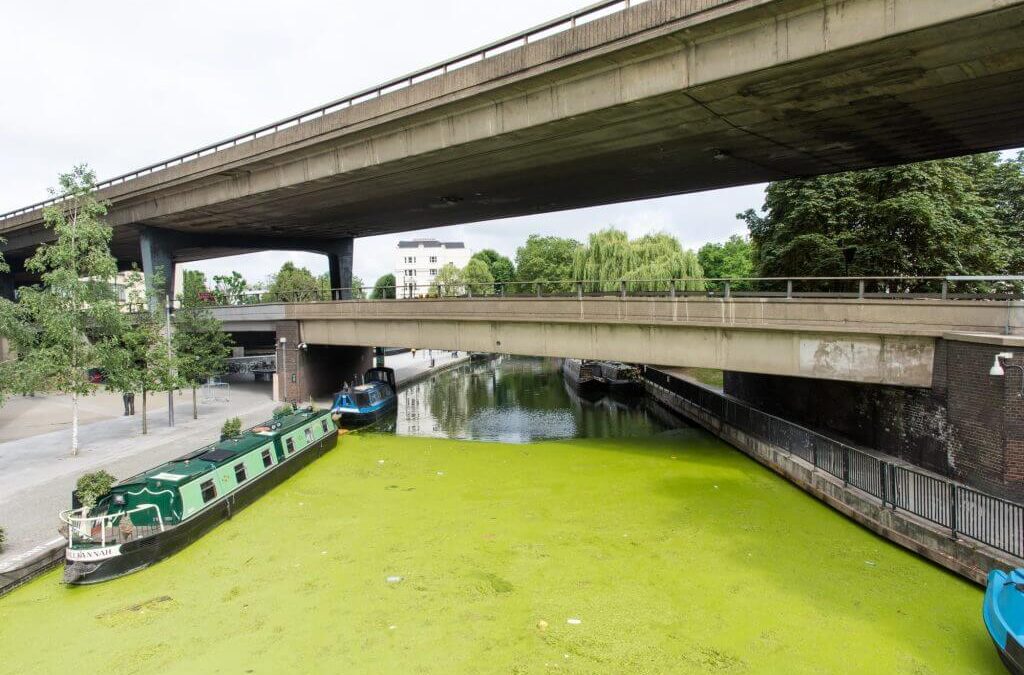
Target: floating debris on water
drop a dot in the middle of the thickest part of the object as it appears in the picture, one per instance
(573, 621)
(394, 579)
(542, 625)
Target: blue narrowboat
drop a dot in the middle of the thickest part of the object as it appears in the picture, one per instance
(1004, 616)
(365, 403)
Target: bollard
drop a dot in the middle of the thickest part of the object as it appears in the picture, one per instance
(622, 290)
(945, 289)
(537, 286)
(672, 289)
(726, 290)
(860, 289)
(789, 289)
(579, 290)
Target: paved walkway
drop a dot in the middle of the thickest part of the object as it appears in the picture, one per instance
(38, 472)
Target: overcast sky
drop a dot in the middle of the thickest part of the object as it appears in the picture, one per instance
(120, 84)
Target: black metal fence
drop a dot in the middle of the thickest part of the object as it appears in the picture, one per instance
(964, 511)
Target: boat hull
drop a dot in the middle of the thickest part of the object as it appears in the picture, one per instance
(1002, 612)
(136, 555)
(353, 420)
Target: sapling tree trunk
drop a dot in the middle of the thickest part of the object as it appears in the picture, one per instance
(74, 423)
(145, 426)
(195, 406)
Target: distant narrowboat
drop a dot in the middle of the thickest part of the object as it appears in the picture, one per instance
(1003, 612)
(365, 403)
(621, 378)
(585, 377)
(149, 516)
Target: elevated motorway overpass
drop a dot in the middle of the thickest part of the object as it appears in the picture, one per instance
(619, 101)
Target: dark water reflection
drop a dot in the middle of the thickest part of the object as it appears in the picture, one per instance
(518, 400)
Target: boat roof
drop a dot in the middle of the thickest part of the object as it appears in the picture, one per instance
(200, 461)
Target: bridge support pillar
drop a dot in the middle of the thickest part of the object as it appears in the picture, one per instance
(339, 261)
(158, 257)
(307, 371)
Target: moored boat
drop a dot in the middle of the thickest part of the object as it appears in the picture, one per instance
(1004, 616)
(584, 376)
(365, 403)
(622, 378)
(151, 515)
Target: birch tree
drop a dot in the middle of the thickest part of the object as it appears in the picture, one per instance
(57, 328)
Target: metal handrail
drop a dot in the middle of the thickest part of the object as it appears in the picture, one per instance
(565, 22)
(675, 286)
(67, 516)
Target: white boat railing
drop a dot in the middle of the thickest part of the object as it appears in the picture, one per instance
(82, 524)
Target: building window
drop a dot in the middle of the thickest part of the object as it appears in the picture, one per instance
(309, 435)
(433, 258)
(433, 273)
(323, 425)
(208, 490)
(267, 459)
(240, 473)
(290, 445)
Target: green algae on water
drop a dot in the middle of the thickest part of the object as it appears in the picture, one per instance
(673, 554)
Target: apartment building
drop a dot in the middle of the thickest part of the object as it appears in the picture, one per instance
(418, 261)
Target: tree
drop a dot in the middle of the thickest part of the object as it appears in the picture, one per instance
(230, 289)
(194, 288)
(447, 282)
(500, 267)
(1007, 191)
(59, 328)
(384, 289)
(645, 263)
(546, 259)
(6, 367)
(357, 292)
(477, 277)
(730, 259)
(136, 358)
(201, 347)
(932, 218)
(294, 284)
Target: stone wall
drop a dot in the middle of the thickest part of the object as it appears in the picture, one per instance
(969, 425)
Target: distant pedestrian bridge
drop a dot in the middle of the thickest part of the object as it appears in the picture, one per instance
(875, 330)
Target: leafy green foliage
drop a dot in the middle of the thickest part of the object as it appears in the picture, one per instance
(945, 217)
(447, 283)
(730, 259)
(136, 357)
(284, 409)
(384, 289)
(501, 268)
(610, 257)
(232, 428)
(230, 289)
(547, 259)
(296, 284)
(3, 538)
(193, 288)
(201, 347)
(477, 277)
(91, 486)
(59, 329)
(357, 292)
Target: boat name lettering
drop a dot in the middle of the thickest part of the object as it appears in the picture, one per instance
(76, 554)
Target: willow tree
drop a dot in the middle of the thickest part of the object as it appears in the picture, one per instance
(58, 328)
(649, 262)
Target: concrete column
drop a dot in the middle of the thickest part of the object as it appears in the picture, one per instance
(158, 254)
(339, 259)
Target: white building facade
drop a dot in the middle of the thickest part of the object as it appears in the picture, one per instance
(418, 261)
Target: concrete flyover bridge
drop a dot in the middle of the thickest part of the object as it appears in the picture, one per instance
(621, 100)
(863, 337)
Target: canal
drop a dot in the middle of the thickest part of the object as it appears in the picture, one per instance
(582, 537)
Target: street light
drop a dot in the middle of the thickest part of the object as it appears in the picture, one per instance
(998, 369)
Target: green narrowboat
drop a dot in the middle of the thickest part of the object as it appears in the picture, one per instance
(151, 515)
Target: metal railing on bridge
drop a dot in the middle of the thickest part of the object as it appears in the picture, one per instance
(993, 287)
(963, 510)
(521, 39)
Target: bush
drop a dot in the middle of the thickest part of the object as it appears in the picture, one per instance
(232, 428)
(91, 486)
(3, 538)
(282, 410)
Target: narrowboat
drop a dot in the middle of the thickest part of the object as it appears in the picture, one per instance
(621, 378)
(1004, 616)
(365, 403)
(585, 377)
(153, 514)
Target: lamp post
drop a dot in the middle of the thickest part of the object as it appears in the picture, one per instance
(170, 391)
(284, 371)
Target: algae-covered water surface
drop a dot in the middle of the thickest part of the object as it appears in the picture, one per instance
(661, 553)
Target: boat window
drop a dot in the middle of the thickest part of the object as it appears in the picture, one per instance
(323, 425)
(209, 491)
(267, 460)
(309, 435)
(240, 472)
(290, 444)
(361, 399)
